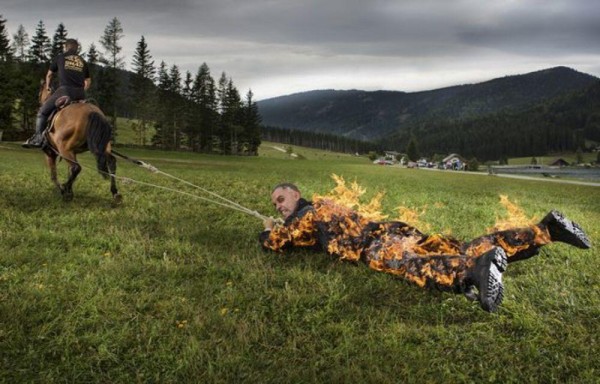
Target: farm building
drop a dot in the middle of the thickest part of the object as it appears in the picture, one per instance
(560, 162)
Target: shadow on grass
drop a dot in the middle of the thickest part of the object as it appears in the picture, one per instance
(30, 200)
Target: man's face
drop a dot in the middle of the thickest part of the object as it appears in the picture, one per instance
(285, 200)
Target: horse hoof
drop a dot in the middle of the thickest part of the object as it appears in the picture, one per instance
(67, 195)
(117, 199)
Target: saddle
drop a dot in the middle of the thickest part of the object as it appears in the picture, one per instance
(60, 104)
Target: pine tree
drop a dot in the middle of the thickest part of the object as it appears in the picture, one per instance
(191, 113)
(20, 43)
(39, 52)
(230, 120)
(162, 135)
(235, 118)
(176, 105)
(204, 94)
(58, 40)
(92, 56)
(110, 41)
(175, 80)
(5, 48)
(252, 122)
(143, 87)
(188, 83)
(222, 92)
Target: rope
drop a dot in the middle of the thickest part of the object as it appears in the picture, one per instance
(152, 168)
(230, 204)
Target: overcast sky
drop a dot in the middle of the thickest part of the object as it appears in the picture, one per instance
(278, 47)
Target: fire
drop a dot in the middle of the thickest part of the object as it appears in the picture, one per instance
(356, 231)
(351, 225)
(349, 197)
(411, 217)
(515, 217)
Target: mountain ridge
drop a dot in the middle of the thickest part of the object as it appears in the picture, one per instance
(374, 115)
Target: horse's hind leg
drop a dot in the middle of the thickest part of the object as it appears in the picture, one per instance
(74, 169)
(51, 161)
(112, 170)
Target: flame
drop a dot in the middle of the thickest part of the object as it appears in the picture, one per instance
(353, 230)
(349, 197)
(346, 218)
(515, 217)
(411, 217)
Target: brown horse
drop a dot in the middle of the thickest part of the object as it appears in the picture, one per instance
(77, 128)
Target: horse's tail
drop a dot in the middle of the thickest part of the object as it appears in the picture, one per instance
(99, 134)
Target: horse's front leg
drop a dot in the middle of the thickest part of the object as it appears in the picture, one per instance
(74, 169)
(51, 161)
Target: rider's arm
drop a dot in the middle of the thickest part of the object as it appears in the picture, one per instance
(87, 83)
(49, 79)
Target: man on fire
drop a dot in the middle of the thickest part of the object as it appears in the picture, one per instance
(472, 268)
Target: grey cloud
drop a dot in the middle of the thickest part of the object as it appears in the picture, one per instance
(254, 40)
(543, 29)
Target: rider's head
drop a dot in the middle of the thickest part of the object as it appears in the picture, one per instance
(71, 45)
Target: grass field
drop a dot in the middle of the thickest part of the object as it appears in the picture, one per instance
(166, 288)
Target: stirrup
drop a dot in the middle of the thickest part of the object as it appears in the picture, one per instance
(32, 143)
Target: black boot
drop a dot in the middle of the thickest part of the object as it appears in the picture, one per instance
(564, 230)
(37, 139)
(486, 276)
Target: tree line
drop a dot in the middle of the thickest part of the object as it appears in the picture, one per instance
(185, 110)
(319, 140)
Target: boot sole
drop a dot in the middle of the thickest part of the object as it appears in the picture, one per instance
(491, 290)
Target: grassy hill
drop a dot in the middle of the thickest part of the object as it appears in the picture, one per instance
(168, 288)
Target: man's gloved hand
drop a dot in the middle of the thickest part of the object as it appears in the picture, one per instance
(269, 223)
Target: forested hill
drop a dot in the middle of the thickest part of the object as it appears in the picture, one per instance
(558, 125)
(376, 115)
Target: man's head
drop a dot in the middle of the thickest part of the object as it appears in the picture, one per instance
(71, 45)
(285, 198)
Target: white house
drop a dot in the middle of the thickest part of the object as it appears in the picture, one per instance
(453, 161)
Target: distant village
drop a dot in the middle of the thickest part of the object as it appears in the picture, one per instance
(453, 161)
(456, 162)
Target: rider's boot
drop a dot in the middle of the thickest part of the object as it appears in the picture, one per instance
(37, 139)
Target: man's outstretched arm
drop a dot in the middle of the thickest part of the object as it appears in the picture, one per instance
(300, 232)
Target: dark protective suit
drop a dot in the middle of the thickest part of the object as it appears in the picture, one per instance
(395, 247)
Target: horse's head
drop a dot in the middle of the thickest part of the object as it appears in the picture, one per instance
(45, 91)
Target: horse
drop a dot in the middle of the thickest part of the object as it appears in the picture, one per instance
(76, 128)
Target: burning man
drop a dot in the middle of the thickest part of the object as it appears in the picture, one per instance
(474, 268)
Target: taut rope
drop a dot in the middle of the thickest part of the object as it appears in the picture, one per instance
(227, 203)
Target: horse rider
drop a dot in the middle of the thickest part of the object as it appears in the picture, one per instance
(74, 80)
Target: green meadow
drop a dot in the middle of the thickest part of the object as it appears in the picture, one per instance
(168, 288)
